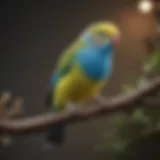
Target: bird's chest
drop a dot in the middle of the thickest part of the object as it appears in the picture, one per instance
(80, 86)
(94, 65)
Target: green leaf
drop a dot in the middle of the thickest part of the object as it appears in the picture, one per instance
(139, 115)
(152, 62)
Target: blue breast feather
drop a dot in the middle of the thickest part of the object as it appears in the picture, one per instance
(94, 62)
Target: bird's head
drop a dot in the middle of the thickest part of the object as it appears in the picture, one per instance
(102, 34)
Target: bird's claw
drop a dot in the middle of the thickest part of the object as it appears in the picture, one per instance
(73, 108)
(100, 100)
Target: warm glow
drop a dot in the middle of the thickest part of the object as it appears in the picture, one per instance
(145, 6)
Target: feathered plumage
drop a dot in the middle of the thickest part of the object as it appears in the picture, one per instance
(81, 71)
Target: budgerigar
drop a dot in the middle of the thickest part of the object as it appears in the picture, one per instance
(81, 72)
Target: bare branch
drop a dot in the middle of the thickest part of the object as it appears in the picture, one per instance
(38, 123)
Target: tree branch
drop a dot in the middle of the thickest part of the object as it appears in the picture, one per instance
(119, 103)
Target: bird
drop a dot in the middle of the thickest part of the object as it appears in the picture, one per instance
(81, 72)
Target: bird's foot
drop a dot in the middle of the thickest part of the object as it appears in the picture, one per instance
(73, 108)
(100, 99)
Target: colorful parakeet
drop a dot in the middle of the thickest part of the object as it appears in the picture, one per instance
(81, 72)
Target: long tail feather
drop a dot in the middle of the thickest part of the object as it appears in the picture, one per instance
(55, 133)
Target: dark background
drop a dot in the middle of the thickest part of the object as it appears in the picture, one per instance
(33, 34)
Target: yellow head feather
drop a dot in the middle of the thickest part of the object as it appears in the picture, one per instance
(106, 27)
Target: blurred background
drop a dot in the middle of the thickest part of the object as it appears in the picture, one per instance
(33, 34)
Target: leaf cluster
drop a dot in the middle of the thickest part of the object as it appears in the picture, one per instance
(125, 128)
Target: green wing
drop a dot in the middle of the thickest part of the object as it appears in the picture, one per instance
(65, 62)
